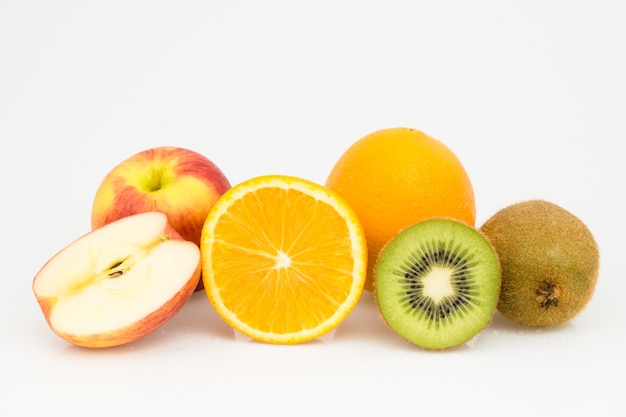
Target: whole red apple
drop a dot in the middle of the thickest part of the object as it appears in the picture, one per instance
(179, 182)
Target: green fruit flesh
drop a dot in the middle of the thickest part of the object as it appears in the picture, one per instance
(437, 283)
(549, 262)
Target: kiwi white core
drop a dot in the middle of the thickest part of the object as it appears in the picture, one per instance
(437, 284)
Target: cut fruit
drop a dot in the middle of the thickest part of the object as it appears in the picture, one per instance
(283, 259)
(119, 282)
(437, 283)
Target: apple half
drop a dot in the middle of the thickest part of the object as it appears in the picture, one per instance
(119, 282)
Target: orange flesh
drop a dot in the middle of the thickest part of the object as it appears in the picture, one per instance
(282, 268)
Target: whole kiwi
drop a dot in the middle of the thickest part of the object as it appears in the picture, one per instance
(549, 261)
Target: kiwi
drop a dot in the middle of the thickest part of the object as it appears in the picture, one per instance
(549, 261)
(437, 283)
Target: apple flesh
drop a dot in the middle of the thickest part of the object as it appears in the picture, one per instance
(119, 282)
(179, 182)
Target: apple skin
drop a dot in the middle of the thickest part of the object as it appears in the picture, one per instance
(176, 181)
(133, 331)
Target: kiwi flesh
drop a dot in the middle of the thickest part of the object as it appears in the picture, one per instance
(549, 261)
(437, 283)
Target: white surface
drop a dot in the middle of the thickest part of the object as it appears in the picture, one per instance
(530, 95)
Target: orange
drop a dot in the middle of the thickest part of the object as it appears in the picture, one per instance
(283, 259)
(395, 177)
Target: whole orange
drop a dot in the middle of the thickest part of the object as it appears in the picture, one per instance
(395, 177)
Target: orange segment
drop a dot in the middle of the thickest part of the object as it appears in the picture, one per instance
(284, 259)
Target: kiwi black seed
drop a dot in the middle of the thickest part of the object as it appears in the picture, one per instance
(437, 283)
(549, 259)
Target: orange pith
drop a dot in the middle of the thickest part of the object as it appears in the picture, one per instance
(284, 259)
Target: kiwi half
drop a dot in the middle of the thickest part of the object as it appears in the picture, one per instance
(550, 262)
(437, 283)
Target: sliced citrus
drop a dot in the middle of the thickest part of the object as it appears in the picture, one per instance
(283, 259)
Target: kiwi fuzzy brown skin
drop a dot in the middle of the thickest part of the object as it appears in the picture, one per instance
(549, 261)
(467, 269)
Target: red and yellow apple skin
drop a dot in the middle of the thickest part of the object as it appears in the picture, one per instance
(179, 182)
(118, 283)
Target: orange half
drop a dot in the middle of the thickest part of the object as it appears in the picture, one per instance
(283, 259)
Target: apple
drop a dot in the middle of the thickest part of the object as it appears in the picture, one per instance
(119, 282)
(179, 182)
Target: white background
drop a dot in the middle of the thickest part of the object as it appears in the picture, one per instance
(531, 95)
